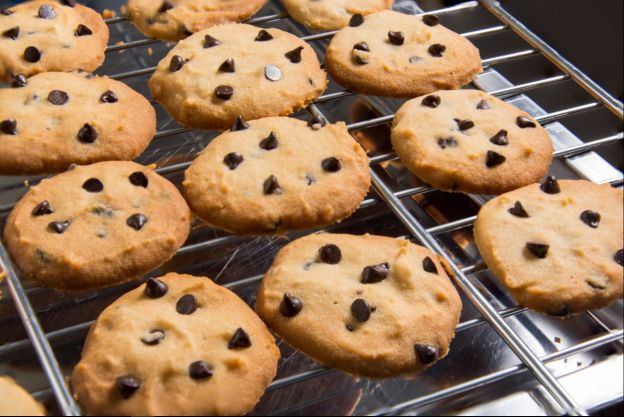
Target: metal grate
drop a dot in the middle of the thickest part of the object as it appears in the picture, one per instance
(398, 205)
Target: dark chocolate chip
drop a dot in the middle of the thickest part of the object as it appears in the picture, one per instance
(464, 124)
(32, 54)
(272, 73)
(294, 56)
(350, 327)
(436, 50)
(87, 134)
(429, 266)
(19, 81)
(591, 218)
(83, 30)
(210, 42)
(427, 354)
(139, 179)
(619, 257)
(239, 340)
(6, 12)
(483, 105)
(176, 64)
(46, 12)
(447, 143)
(12, 33)
(518, 211)
(317, 122)
(375, 273)
(155, 288)
(330, 254)
(310, 179)
(269, 143)
(291, 305)
(562, 311)
(8, 127)
(396, 38)
(59, 227)
(165, 6)
(362, 46)
(70, 3)
(103, 212)
(233, 160)
(200, 370)
(127, 386)
(539, 250)
(137, 221)
(431, 101)
(550, 185)
(331, 164)
(228, 66)
(43, 209)
(272, 186)
(356, 20)
(500, 138)
(239, 124)
(187, 304)
(494, 159)
(185, 31)
(524, 122)
(361, 310)
(93, 185)
(58, 97)
(154, 337)
(109, 97)
(430, 20)
(224, 92)
(263, 36)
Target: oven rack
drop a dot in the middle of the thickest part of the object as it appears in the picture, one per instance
(383, 194)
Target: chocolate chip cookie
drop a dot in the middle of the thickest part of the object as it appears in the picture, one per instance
(368, 305)
(178, 19)
(233, 70)
(556, 246)
(278, 174)
(49, 35)
(56, 119)
(96, 226)
(398, 55)
(16, 401)
(178, 345)
(333, 14)
(469, 141)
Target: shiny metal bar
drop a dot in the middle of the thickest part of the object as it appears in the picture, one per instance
(132, 44)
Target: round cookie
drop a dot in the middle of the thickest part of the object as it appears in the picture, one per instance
(56, 119)
(557, 247)
(237, 70)
(16, 401)
(368, 305)
(179, 345)
(96, 226)
(399, 55)
(278, 174)
(469, 141)
(332, 14)
(177, 19)
(49, 35)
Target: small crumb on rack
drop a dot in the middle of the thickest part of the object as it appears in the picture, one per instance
(557, 339)
(109, 14)
(150, 51)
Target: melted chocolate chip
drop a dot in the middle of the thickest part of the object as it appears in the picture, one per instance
(83, 30)
(436, 50)
(494, 159)
(427, 354)
(550, 185)
(139, 179)
(93, 185)
(19, 81)
(210, 42)
(361, 46)
(483, 105)
(317, 122)
(500, 138)
(87, 134)
(591, 218)
(153, 338)
(331, 164)
(176, 64)
(431, 101)
(269, 143)
(464, 124)
(200, 370)
(12, 33)
(430, 20)
(239, 340)
(272, 73)
(356, 20)
(361, 310)
(58, 97)
(239, 124)
(272, 186)
(46, 12)
(228, 66)
(224, 92)
(294, 56)
(165, 6)
(330, 254)
(524, 122)
(396, 38)
(263, 36)
(518, 211)
(375, 273)
(539, 250)
(447, 143)
(59, 227)
(32, 54)
(155, 288)
(429, 266)
(137, 221)
(187, 304)
(619, 257)
(109, 97)
(290, 305)
(127, 386)
(43, 209)
(8, 127)
(233, 160)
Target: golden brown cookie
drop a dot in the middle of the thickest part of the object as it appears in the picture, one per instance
(16, 401)
(556, 246)
(332, 14)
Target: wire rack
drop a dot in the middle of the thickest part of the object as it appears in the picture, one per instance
(501, 349)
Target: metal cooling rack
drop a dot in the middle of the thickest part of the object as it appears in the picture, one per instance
(504, 357)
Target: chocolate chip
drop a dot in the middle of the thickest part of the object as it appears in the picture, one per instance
(32, 54)
(70, 3)
(155, 288)
(93, 185)
(87, 134)
(269, 143)
(429, 266)
(43, 209)
(228, 66)
(362, 46)
(154, 337)
(127, 385)
(272, 73)
(290, 305)
(46, 12)
(431, 101)
(224, 92)
(430, 20)
(500, 138)
(317, 122)
(239, 340)
(187, 304)
(185, 31)
(464, 124)
(591, 218)
(361, 310)
(436, 50)
(9, 127)
(350, 327)
(137, 221)
(427, 354)
(239, 124)
(518, 211)
(233, 160)
(103, 212)
(330, 254)
(294, 56)
(550, 185)
(562, 311)
(494, 159)
(540, 250)
(6, 12)
(210, 42)
(58, 97)
(82, 30)
(109, 97)
(12, 33)
(447, 143)
(59, 227)
(524, 122)
(200, 370)
(310, 179)
(176, 64)
(356, 20)
(331, 164)
(263, 36)
(483, 105)
(165, 6)
(375, 273)
(19, 81)
(272, 186)
(619, 257)
(139, 179)
(396, 38)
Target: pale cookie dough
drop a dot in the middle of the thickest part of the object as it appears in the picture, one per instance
(16, 401)
(332, 14)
